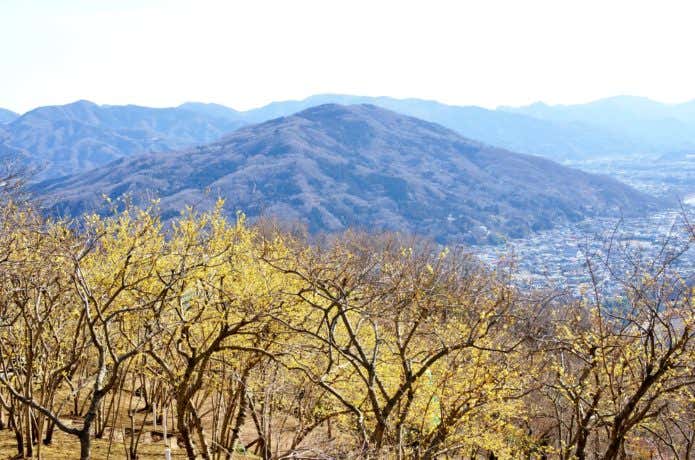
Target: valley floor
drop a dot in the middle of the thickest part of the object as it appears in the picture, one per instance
(556, 258)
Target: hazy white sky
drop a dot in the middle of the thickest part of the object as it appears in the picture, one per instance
(247, 53)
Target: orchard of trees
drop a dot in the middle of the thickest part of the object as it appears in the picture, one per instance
(222, 340)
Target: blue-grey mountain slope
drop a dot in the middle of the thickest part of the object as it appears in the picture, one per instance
(338, 166)
(61, 140)
(513, 131)
(657, 127)
(67, 139)
(7, 116)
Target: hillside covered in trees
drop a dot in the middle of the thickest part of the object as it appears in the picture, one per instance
(336, 167)
(221, 339)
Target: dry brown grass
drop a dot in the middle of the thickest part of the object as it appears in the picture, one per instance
(67, 447)
(112, 446)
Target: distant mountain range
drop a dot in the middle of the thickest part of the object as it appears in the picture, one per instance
(61, 140)
(68, 139)
(7, 116)
(658, 128)
(614, 127)
(516, 132)
(336, 166)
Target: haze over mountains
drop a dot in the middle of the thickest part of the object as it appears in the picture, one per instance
(61, 140)
(519, 133)
(297, 168)
(617, 126)
(336, 166)
(7, 116)
(658, 128)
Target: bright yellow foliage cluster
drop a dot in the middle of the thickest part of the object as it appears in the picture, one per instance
(244, 338)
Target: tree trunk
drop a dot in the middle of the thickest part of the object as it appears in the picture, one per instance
(240, 419)
(185, 432)
(580, 451)
(613, 448)
(85, 444)
(19, 439)
(378, 434)
(204, 448)
(29, 436)
(50, 428)
(13, 423)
